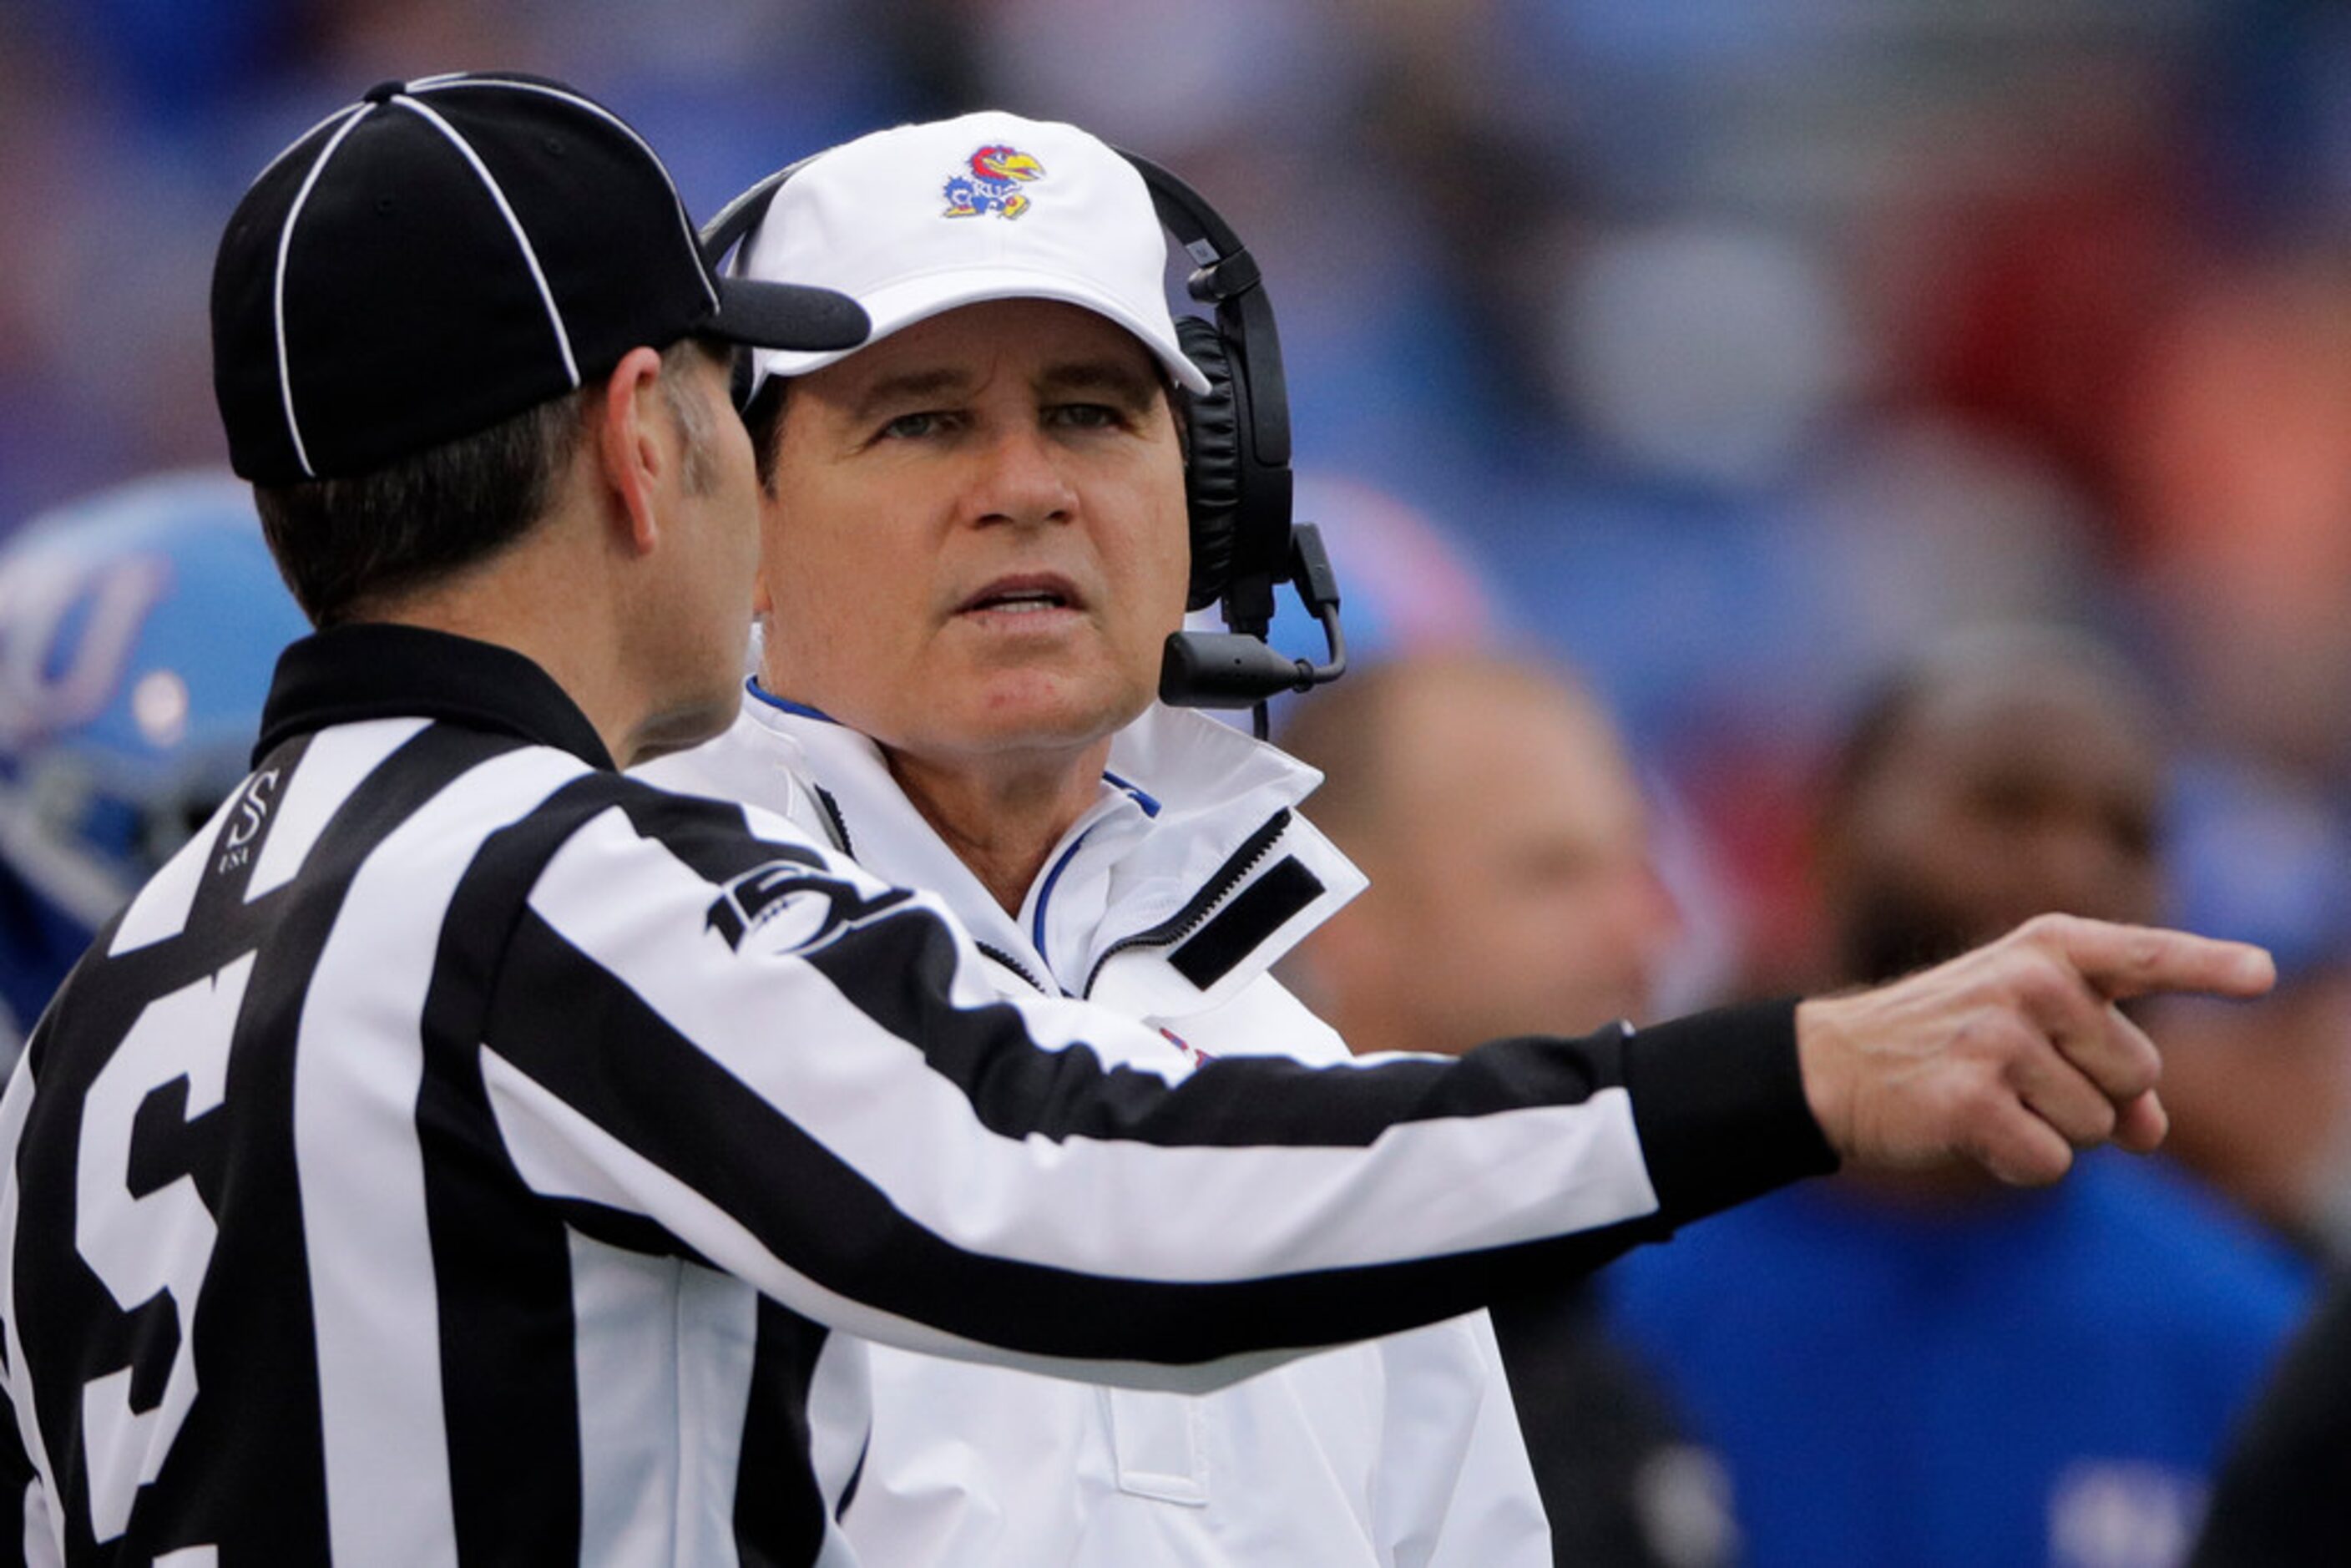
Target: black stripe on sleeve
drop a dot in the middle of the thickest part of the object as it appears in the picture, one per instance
(897, 968)
(708, 835)
(619, 1065)
(608, 1055)
(1719, 1104)
(1719, 1100)
(896, 972)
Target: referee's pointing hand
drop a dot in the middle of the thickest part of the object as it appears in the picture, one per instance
(2014, 1055)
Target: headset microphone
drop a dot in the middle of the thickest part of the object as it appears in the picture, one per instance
(1237, 478)
(1239, 669)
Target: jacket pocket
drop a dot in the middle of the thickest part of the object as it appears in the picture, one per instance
(1156, 1439)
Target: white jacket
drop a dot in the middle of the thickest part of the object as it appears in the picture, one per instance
(1169, 899)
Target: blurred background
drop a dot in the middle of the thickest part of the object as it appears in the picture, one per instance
(1729, 351)
(1739, 346)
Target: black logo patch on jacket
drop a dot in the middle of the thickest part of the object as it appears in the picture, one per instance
(795, 906)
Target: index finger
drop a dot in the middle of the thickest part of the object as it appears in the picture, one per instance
(2124, 961)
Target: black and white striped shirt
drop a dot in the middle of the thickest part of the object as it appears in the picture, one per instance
(459, 1153)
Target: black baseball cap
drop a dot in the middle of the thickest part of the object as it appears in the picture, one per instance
(449, 252)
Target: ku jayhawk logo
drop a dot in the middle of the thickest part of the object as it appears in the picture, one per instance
(795, 905)
(994, 183)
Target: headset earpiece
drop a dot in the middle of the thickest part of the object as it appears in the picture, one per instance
(718, 239)
(1212, 473)
(1239, 481)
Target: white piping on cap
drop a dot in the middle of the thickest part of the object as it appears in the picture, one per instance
(684, 224)
(514, 225)
(277, 284)
(302, 140)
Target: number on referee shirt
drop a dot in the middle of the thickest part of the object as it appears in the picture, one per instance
(143, 1244)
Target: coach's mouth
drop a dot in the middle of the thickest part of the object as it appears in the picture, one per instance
(1026, 593)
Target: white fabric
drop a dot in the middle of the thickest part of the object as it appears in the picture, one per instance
(1399, 1451)
(901, 222)
(361, 1178)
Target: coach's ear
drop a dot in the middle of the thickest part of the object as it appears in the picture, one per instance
(635, 448)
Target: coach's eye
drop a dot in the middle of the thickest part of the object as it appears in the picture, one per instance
(1086, 416)
(925, 424)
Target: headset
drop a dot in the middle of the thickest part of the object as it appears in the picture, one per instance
(1237, 479)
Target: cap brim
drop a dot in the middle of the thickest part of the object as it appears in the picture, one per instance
(786, 316)
(895, 307)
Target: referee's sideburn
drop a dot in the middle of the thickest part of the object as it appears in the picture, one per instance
(460, 1152)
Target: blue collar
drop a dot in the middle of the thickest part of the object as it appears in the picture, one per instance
(751, 683)
(1141, 797)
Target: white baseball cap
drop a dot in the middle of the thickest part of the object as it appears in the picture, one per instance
(920, 219)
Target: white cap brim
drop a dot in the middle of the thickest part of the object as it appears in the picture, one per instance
(897, 306)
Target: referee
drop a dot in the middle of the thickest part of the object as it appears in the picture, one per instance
(459, 1152)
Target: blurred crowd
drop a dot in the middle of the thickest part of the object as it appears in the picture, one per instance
(1731, 352)
(1742, 343)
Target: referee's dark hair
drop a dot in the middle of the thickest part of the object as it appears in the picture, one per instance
(347, 546)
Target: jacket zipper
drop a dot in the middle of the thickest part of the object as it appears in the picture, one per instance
(841, 841)
(989, 950)
(1185, 920)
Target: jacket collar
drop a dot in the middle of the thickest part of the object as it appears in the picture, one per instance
(348, 673)
(1191, 815)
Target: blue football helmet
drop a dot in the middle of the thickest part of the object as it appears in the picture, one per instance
(137, 629)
